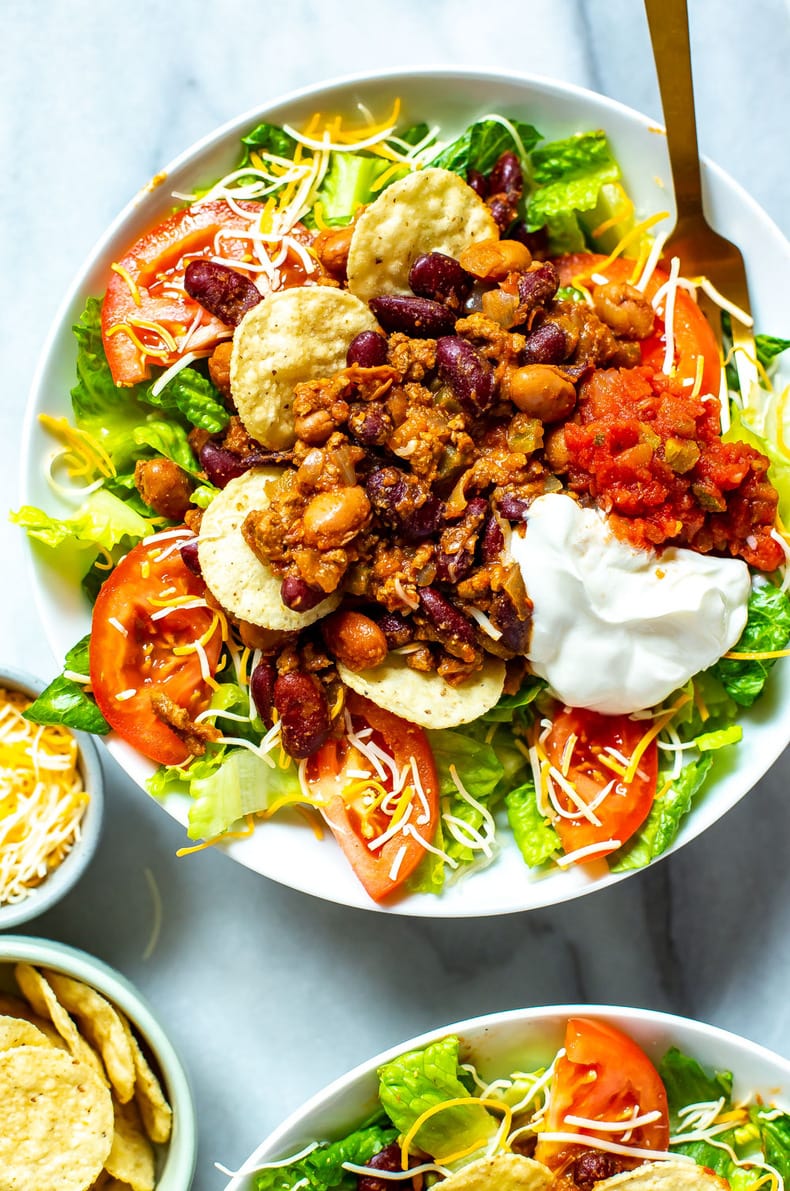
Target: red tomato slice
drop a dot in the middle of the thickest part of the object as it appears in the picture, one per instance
(603, 1076)
(354, 823)
(155, 264)
(139, 655)
(693, 334)
(625, 807)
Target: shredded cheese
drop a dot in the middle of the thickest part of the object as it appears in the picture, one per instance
(42, 798)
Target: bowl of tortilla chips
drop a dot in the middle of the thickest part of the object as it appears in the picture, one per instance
(92, 1093)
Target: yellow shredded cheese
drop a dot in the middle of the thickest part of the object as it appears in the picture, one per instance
(42, 798)
(408, 1138)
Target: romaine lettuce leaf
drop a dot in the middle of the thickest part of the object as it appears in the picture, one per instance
(271, 139)
(767, 628)
(67, 702)
(102, 522)
(508, 704)
(421, 1079)
(242, 784)
(480, 771)
(348, 184)
(323, 1167)
(687, 1082)
(768, 347)
(775, 1138)
(666, 814)
(537, 840)
(483, 143)
(195, 397)
(569, 177)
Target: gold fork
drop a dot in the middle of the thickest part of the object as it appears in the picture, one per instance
(702, 251)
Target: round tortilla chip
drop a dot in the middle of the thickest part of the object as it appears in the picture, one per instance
(56, 1121)
(506, 1172)
(15, 1031)
(41, 996)
(432, 210)
(426, 699)
(665, 1176)
(233, 574)
(156, 1113)
(102, 1026)
(293, 335)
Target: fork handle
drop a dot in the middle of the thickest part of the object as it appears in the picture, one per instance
(669, 33)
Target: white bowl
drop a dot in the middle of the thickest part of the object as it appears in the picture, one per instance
(523, 1039)
(176, 1160)
(284, 849)
(63, 878)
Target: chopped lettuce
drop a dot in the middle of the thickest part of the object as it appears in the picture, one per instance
(508, 704)
(576, 186)
(768, 347)
(322, 1169)
(349, 184)
(196, 398)
(269, 138)
(687, 1082)
(481, 144)
(536, 838)
(670, 807)
(66, 701)
(422, 1079)
(767, 629)
(775, 1138)
(102, 522)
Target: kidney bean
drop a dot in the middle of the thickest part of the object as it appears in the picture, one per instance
(479, 183)
(515, 632)
(592, 1167)
(506, 177)
(418, 317)
(440, 277)
(513, 508)
(262, 683)
(304, 713)
(189, 556)
(222, 291)
(470, 377)
(404, 502)
(354, 639)
(370, 423)
(298, 595)
(456, 555)
(368, 349)
(449, 623)
(387, 1159)
(547, 345)
(396, 629)
(493, 540)
(538, 286)
(503, 210)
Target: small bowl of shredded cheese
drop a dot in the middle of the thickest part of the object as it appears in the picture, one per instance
(51, 804)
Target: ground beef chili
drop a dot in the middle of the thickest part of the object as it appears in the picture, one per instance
(488, 388)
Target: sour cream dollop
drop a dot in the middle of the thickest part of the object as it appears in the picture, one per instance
(617, 629)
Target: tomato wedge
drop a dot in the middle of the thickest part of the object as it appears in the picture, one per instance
(585, 746)
(693, 334)
(603, 1076)
(133, 655)
(146, 287)
(356, 823)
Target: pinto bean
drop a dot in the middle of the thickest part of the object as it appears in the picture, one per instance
(492, 260)
(303, 711)
(419, 318)
(164, 487)
(224, 292)
(332, 519)
(541, 391)
(354, 639)
(625, 309)
(331, 247)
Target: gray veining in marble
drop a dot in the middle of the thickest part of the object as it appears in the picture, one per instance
(268, 993)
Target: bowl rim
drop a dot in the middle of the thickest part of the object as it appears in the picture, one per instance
(616, 1014)
(694, 825)
(67, 874)
(180, 1153)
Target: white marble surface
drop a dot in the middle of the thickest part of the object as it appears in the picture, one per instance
(268, 993)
